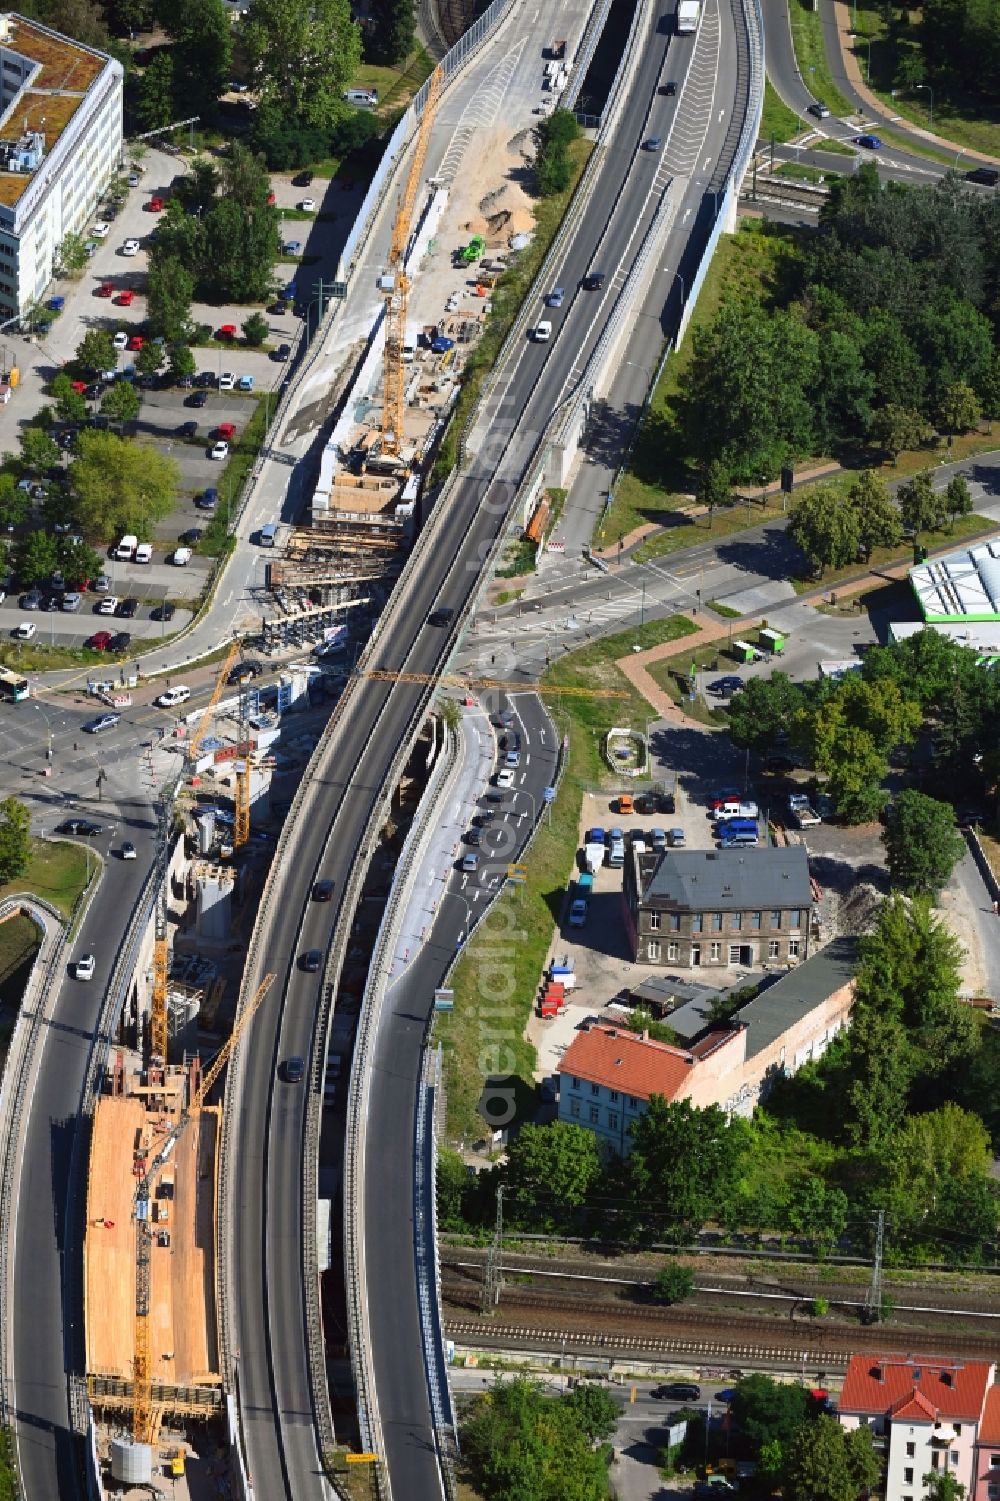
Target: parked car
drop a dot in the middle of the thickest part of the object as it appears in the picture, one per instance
(32, 600)
(196, 399)
(188, 430)
(25, 630)
(100, 230)
(120, 641)
(227, 381)
(166, 611)
(131, 247)
(99, 641)
(292, 247)
(308, 206)
(245, 383)
(121, 340)
(219, 451)
(72, 601)
(302, 180)
(108, 605)
(128, 609)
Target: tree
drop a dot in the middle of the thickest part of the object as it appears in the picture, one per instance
(922, 844)
(824, 524)
(96, 351)
(922, 508)
(256, 329)
(168, 305)
(121, 486)
(452, 1181)
(390, 38)
(518, 1443)
(303, 55)
(71, 405)
(203, 53)
(155, 105)
(942, 1485)
(121, 402)
(15, 839)
(827, 1464)
(896, 428)
(38, 450)
(551, 1171)
(72, 253)
(180, 361)
(957, 498)
(819, 1211)
(674, 1282)
(79, 19)
(850, 736)
(762, 708)
(15, 507)
(878, 1069)
(148, 360)
(959, 408)
(594, 1409)
(878, 520)
(713, 488)
(769, 1411)
(78, 560)
(684, 1164)
(553, 169)
(36, 557)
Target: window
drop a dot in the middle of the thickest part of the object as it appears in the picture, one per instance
(775, 920)
(576, 1082)
(735, 920)
(613, 1120)
(653, 949)
(795, 918)
(755, 921)
(907, 1477)
(697, 919)
(716, 952)
(773, 949)
(716, 922)
(993, 1491)
(595, 1089)
(793, 948)
(654, 922)
(595, 1115)
(613, 1096)
(936, 1459)
(672, 952)
(954, 1456)
(574, 1109)
(995, 1461)
(911, 1450)
(675, 922)
(633, 1102)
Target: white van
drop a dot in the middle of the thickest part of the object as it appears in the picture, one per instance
(144, 553)
(180, 556)
(125, 551)
(268, 534)
(543, 332)
(363, 97)
(173, 696)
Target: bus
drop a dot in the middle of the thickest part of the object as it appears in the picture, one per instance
(13, 687)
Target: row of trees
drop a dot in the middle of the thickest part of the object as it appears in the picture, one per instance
(898, 1115)
(880, 330)
(553, 168)
(835, 527)
(15, 839)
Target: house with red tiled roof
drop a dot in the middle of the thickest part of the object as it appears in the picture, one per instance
(986, 1467)
(607, 1076)
(926, 1413)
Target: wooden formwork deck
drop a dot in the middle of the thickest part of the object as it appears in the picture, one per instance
(182, 1325)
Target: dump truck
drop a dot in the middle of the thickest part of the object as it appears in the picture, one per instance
(557, 50)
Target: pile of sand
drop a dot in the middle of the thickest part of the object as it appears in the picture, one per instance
(858, 909)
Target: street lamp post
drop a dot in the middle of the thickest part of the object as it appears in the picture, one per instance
(868, 63)
(931, 92)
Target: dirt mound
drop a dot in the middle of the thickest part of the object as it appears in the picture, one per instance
(525, 143)
(497, 223)
(858, 909)
(489, 204)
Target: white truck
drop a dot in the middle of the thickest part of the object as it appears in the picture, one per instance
(802, 812)
(593, 857)
(688, 16)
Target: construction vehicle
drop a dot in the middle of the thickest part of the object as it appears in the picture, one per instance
(398, 284)
(473, 251)
(145, 1420)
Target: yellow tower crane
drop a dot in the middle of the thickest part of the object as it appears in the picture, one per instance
(144, 1426)
(158, 1005)
(393, 366)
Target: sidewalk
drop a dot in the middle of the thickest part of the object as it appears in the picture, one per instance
(852, 67)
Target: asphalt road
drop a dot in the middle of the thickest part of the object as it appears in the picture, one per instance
(47, 1302)
(267, 1245)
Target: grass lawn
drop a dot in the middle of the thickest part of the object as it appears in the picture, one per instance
(672, 676)
(686, 530)
(803, 173)
(778, 122)
(726, 611)
(657, 486)
(242, 455)
(497, 978)
(57, 871)
(807, 38)
(968, 122)
(19, 941)
(508, 296)
(396, 86)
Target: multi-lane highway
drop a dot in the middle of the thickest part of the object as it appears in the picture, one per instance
(267, 1267)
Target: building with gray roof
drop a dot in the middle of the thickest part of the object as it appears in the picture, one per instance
(719, 908)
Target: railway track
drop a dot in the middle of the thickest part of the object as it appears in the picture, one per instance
(612, 1324)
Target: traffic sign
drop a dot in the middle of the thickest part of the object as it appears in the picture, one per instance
(517, 873)
(549, 795)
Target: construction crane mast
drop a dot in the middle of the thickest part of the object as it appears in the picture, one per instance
(394, 368)
(158, 1006)
(143, 1425)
